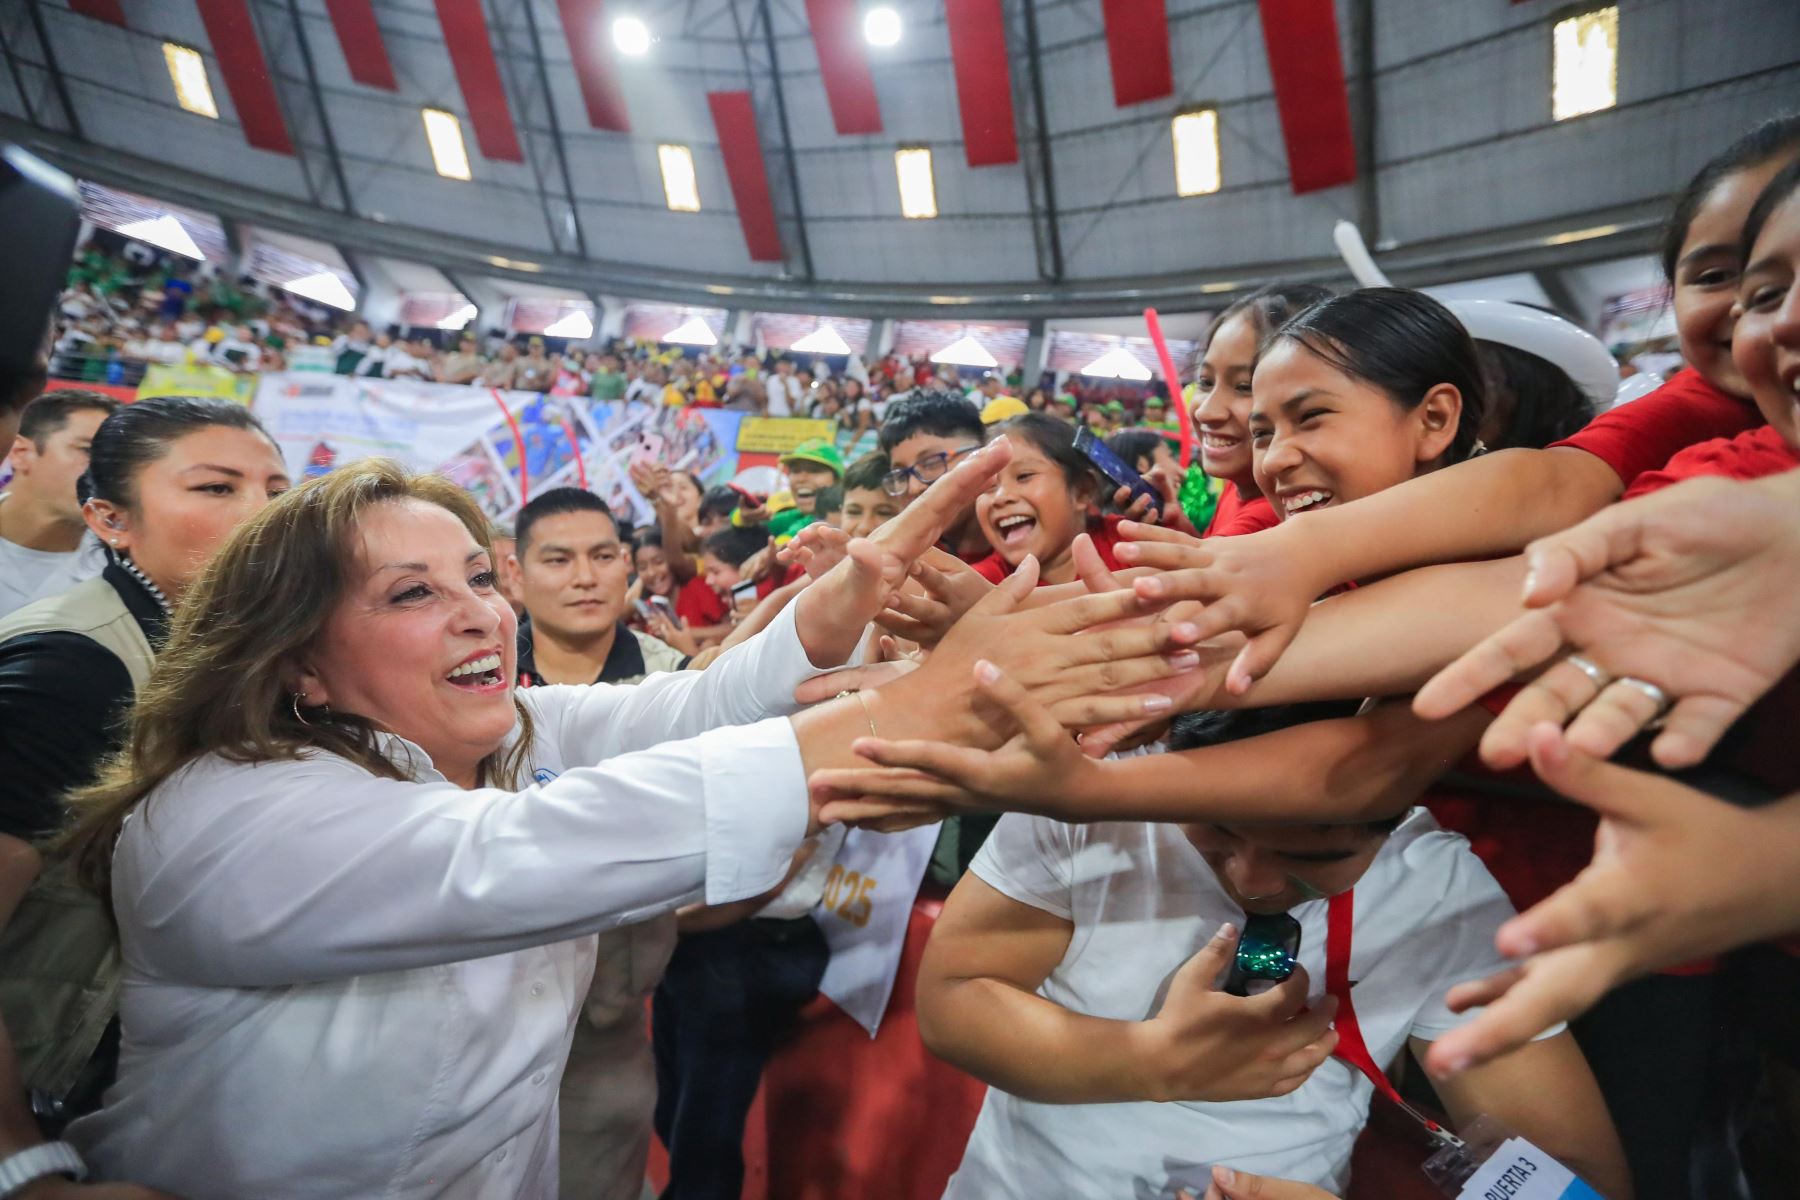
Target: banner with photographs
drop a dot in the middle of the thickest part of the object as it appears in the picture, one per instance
(501, 446)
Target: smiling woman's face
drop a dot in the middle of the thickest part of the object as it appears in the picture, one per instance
(422, 643)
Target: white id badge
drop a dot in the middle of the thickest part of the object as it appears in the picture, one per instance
(1490, 1163)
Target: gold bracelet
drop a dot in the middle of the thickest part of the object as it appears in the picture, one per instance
(868, 715)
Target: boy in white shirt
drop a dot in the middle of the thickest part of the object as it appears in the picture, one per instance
(1077, 970)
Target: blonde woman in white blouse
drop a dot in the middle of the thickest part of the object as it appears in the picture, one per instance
(355, 874)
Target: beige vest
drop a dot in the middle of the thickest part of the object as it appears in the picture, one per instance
(59, 955)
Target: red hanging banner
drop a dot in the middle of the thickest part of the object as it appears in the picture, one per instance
(844, 65)
(101, 10)
(734, 119)
(466, 37)
(1137, 45)
(983, 81)
(584, 27)
(1307, 66)
(246, 74)
(360, 37)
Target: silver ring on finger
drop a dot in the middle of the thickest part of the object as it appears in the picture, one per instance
(1656, 696)
(1594, 671)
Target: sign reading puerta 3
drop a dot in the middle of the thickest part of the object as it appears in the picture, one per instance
(503, 446)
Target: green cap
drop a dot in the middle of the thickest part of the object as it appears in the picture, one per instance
(1114, 406)
(1067, 399)
(816, 450)
(1154, 402)
(786, 523)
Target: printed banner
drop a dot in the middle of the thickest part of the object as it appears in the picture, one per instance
(161, 379)
(467, 434)
(864, 912)
(778, 435)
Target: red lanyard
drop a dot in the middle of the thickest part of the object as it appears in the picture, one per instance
(1339, 922)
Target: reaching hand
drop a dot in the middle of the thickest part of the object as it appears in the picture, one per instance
(832, 614)
(1228, 1184)
(1691, 589)
(1040, 770)
(1255, 584)
(1676, 875)
(817, 548)
(1206, 1045)
(941, 590)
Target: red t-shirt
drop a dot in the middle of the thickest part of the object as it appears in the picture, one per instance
(1749, 455)
(1105, 533)
(1235, 515)
(698, 605)
(1646, 433)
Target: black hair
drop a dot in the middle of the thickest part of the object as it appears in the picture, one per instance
(865, 474)
(736, 543)
(19, 387)
(719, 501)
(1134, 444)
(1541, 403)
(1193, 731)
(1779, 190)
(1269, 308)
(1052, 438)
(1401, 341)
(46, 416)
(554, 503)
(1774, 137)
(649, 535)
(828, 499)
(136, 435)
(936, 413)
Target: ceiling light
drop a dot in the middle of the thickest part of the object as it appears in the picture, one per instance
(918, 195)
(187, 71)
(881, 27)
(823, 340)
(325, 287)
(444, 133)
(164, 231)
(965, 351)
(1196, 152)
(680, 188)
(458, 319)
(692, 332)
(1585, 63)
(1117, 363)
(631, 36)
(575, 325)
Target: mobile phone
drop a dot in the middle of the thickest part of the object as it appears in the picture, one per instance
(643, 610)
(744, 591)
(1268, 950)
(43, 218)
(1116, 469)
(667, 609)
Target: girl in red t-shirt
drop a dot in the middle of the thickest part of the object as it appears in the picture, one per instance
(1221, 408)
(1042, 501)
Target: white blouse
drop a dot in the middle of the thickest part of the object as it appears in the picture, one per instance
(338, 985)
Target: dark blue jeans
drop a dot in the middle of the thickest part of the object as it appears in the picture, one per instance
(727, 997)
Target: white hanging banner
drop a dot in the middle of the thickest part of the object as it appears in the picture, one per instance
(864, 913)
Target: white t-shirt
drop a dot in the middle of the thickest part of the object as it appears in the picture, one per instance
(1143, 902)
(27, 575)
(784, 395)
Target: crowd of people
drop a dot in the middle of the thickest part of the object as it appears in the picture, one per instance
(128, 306)
(345, 837)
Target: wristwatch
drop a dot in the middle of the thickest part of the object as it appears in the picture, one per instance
(35, 1162)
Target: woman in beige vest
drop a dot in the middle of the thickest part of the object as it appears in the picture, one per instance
(168, 478)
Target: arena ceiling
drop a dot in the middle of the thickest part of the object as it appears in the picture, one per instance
(1428, 122)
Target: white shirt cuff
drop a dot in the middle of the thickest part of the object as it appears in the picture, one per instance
(756, 807)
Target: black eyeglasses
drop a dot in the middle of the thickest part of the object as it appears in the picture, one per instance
(927, 470)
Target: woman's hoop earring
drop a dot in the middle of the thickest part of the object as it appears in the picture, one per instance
(298, 696)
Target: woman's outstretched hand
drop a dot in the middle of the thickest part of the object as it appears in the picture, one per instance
(1676, 875)
(1694, 589)
(831, 615)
